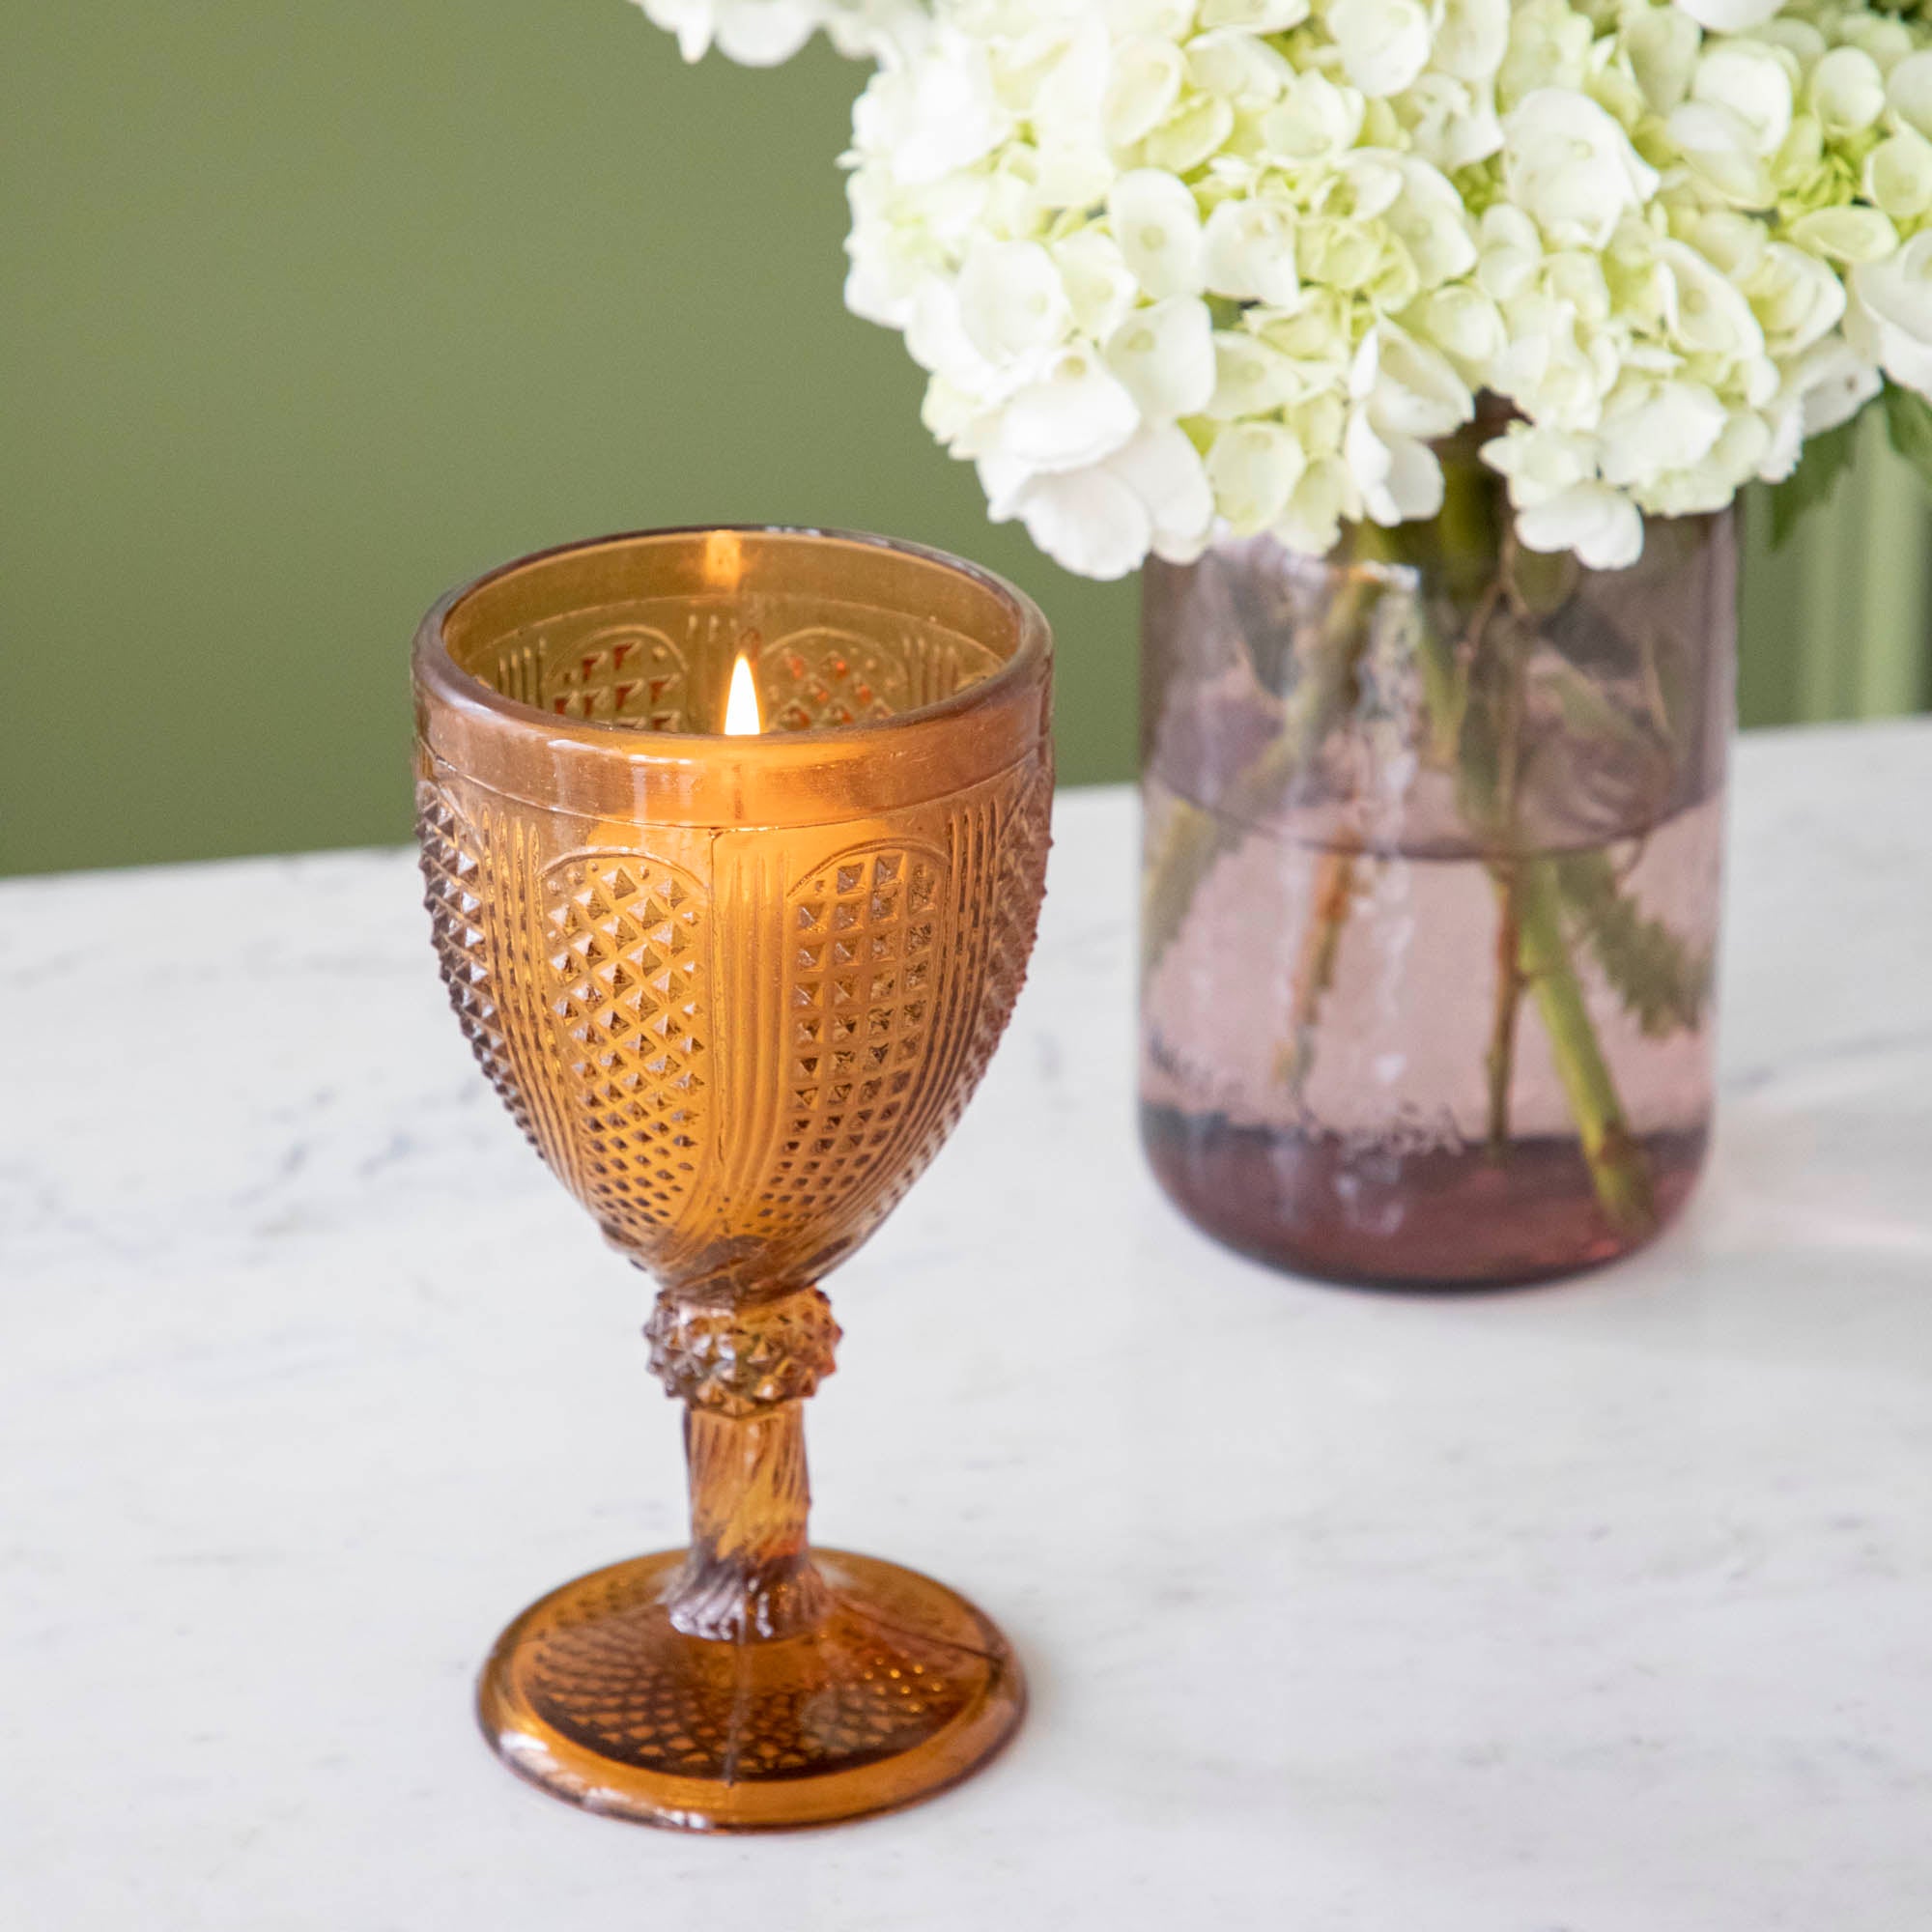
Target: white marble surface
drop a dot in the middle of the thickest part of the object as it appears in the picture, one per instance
(1599, 1608)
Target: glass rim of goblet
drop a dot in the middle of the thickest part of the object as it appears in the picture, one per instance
(436, 667)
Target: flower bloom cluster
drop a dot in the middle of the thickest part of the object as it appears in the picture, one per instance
(1178, 267)
(763, 33)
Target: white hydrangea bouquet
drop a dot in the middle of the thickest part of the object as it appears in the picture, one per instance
(1186, 267)
(1459, 293)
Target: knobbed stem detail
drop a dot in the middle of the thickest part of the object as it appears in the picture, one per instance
(744, 1366)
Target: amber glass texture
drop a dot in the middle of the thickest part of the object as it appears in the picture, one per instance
(1432, 840)
(736, 990)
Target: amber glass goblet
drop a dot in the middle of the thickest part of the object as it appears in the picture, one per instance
(737, 989)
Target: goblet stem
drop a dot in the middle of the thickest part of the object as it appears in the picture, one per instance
(750, 1573)
(743, 1362)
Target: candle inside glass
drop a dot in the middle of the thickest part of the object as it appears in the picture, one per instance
(735, 844)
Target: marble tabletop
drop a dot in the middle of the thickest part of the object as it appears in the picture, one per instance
(1604, 1608)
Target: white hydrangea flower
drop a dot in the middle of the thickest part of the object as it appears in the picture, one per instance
(1311, 522)
(1600, 524)
(1550, 46)
(1571, 168)
(1833, 383)
(1560, 503)
(1721, 152)
(1467, 328)
(1846, 91)
(1897, 179)
(1652, 428)
(1795, 299)
(1908, 90)
(1253, 468)
(1237, 67)
(1662, 44)
(1077, 414)
(1012, 304)
(1471, 38)
(1452, 123)
(1405, 396)
(1705, 312)
(763, 33)
(1426, 214)
(1730, 16)
(935, 115)
(1143, 86)
(1165, 356)
(758, 33)
(1384, 44)
(1250, 251)
(1157, 228)
(1102, 521)
(1751, 83)
(1256, 16)
(1175, 266)
(1890, 321)
(1316, 120)
(1848, 235)
(1251, 379)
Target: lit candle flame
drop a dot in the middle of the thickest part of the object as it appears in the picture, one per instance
(741, 707)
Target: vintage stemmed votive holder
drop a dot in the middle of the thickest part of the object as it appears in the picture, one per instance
(736, 986)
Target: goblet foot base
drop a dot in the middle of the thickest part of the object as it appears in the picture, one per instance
(902, 1689)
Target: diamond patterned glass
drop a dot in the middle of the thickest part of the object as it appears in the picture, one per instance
(737, 991)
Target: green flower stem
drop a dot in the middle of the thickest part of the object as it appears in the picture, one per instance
(1346, 635)
(1445, 694)
(1533, 953)
(1500, 1061)
(1195, 836)
(1315, 968)
(1619, 1167)
(1193, 839)
(1493, 805)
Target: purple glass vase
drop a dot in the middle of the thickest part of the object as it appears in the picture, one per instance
(1434, 830)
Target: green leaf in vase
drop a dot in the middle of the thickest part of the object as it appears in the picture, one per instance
(1662, 980)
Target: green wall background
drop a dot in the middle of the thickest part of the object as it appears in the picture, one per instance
(312, 311)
